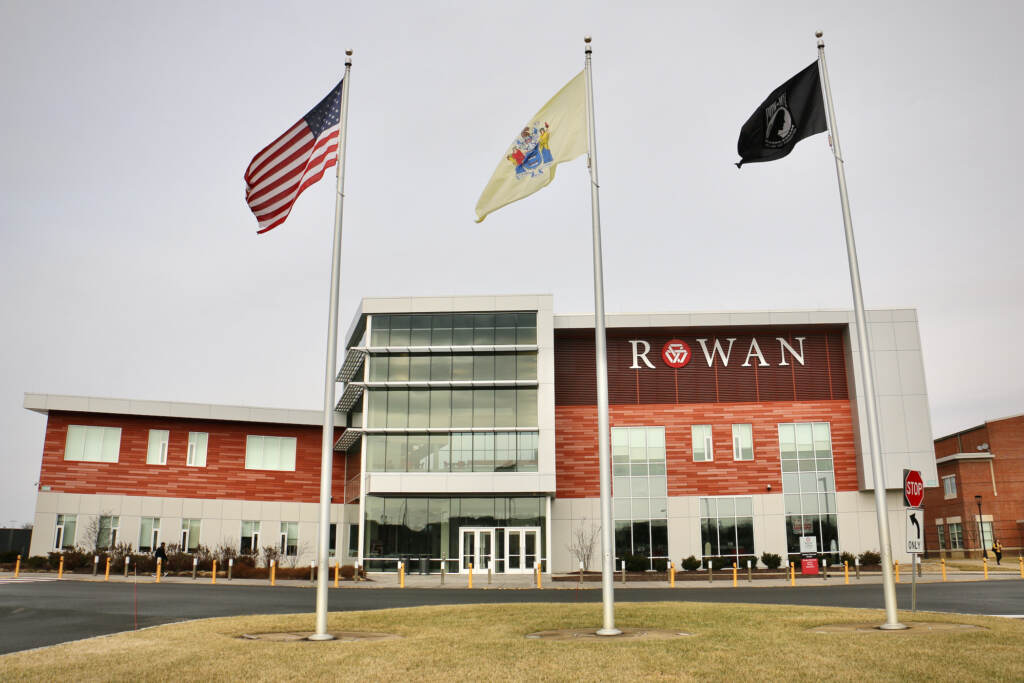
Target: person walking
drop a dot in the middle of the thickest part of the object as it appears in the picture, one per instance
(161, 557)
(997, 550)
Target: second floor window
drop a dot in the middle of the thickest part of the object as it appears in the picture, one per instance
(949, 486)
(270, 453)
(157, 453)
(702, 449)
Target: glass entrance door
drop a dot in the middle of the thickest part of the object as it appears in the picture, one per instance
(521, 549)
(476, 548)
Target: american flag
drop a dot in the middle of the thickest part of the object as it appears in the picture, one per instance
(291, 163)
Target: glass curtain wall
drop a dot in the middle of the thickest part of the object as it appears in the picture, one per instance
(411, 527)
(727, 530)
(809, 487)
(640, 496)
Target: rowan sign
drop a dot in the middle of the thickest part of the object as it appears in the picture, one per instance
(676, 353)
(913, 488)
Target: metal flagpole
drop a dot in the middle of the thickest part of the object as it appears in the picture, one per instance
(330, 373)
(601, 351)
(875, 443)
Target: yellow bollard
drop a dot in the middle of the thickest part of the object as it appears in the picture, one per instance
(538, 574)
(671, 575)
(943, 569)
(470, 575)
(1020, 563)
(846, 572)
(60, 568)
(401, 574)
(896, 570)
(159, 566)
(985, 566)
(734, 581)
(17, 566)
(335, 573)
(213, 574)
(106, 572)
(273, 573)
(792, 574)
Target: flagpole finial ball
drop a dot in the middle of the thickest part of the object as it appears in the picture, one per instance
(348, 53)
(586, 39)
(818, 34)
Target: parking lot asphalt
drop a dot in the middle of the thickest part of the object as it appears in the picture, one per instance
(41, 612)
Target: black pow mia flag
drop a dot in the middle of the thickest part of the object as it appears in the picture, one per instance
(794, 111)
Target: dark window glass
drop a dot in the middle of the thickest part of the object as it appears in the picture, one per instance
(504, 408)
(745, 535)
(659, 538)
(440, 407)
(505, 328)
(441, 333)
(526, 365)
(623, 538)
(526, 328)
(526, 407)
(483, 407)
(462, 407)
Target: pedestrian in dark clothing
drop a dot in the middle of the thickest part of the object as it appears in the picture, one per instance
(161, 556)
(997, 550)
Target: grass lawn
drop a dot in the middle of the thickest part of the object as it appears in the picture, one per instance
(473, 642)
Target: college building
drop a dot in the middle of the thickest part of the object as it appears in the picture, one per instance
(981, 495)
(466, 434)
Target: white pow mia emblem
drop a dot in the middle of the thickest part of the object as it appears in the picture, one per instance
(779, 127)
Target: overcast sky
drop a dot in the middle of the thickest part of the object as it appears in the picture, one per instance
(130, 266)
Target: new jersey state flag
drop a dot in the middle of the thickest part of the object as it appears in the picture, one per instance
(556, 133)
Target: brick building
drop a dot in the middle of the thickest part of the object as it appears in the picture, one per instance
(467, 434)
(983, 464)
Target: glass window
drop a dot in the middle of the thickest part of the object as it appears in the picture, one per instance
(504, 366)
(250, 543)
(462, 334)
(483, 407)
(526, 460)
(289, 539)
(375, 449)
(505, 328)
(462, 367)
(505, 452)
(398, 408)
(92, 444)
(398, 367)
(702, 446)
(639, 498)
(526, 407)
(949, 486)
(190, 534)
(986, 536)
(440, 407)
(526, 328)
(400, 330)
(441, 330)
(378, 406)
(380, 329)
(483, 328)
(270, 453)
(107, 533)
(420, 330)
(419, 453)
(462, 407)
(419, 368)
(378, 368)
(197, 442)
(808, 482)
(956, 536)
(727, 528)
(64, 533)
(483, 366)
(526, 365)
(440, 460)
(462, 452)
(149, 534)
(940, 529)
(505, 408)
(157, 451)
(742, 442)
(419, 408)
(483, 452)
(440, 367)
(396, 453)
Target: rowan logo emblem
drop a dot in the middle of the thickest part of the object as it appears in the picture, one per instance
(676, 353)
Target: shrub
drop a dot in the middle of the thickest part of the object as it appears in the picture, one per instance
(636, 563)
(11, 556)
(771, 560)
(690, 563)
(36, 562)
(660, 565)
(347, 572)
(869, 557)
(743, 561)
(846, 557)
(75, 558)
(721, 563)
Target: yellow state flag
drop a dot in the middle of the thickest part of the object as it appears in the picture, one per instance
(556, 133)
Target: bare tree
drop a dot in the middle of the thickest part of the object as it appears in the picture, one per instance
(92, 532)
(581, 542)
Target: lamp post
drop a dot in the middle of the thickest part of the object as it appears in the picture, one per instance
(981, 528)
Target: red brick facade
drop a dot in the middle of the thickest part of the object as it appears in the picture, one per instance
(999, 482)
(224, 476)
(576, 445)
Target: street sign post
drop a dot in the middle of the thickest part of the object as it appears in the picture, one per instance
(915, 546)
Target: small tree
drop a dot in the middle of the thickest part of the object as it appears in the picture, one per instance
(581, 543)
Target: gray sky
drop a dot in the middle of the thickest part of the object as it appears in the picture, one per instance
(130, 266)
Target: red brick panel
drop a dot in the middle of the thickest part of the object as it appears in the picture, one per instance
(224, 476)
(576, 445)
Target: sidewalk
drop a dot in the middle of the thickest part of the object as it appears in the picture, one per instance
(722, 579)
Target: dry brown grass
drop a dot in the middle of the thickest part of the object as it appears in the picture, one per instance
(473, 642)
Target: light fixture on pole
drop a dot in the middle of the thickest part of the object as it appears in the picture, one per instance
(981, 528)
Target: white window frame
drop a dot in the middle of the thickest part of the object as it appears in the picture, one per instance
(154, 535)
(198, 443)
(709, 452)
(186, 532)
(956, 540)
(115, 527)
(160, 438)
(75, 438)
(940, 529)
(255, 536)
(59, 529)
(737, 441)
(284, 540)
(949, 486)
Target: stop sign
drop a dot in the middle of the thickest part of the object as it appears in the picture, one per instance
(913, 488)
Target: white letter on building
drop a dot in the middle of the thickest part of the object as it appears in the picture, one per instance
(637, 355)
(724, 355)
(798, 357)
(755, 350)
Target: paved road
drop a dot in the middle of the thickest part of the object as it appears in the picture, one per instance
(46, 613)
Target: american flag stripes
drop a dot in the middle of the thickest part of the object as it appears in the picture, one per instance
(283, 169)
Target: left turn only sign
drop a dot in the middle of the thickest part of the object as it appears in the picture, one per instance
(915, 530)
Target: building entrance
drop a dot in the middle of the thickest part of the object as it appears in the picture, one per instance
(505, 550)
(476, 548)
(521, 550)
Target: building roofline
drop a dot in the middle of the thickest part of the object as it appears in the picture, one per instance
(45, 403)
(964, 456)
(820, 316)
